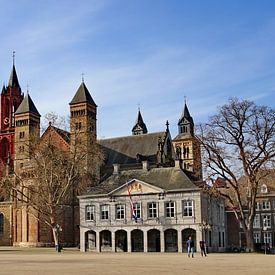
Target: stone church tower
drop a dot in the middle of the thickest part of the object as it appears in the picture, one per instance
(187, 146)
(27, 133)
(82, 124)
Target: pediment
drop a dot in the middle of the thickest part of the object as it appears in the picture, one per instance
(136, 187)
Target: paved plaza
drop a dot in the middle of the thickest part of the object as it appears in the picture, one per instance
(71, 261)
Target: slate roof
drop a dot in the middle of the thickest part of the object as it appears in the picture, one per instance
(13, 81)
(124, 150)
(4, 90)
(170, 178)
(83, 95)
(140, 123)
(186, 115)
(180, 136)
(27, 106)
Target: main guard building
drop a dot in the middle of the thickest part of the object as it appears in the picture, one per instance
(151, 196)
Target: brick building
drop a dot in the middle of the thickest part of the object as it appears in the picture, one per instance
(19, 129)
(264, 221)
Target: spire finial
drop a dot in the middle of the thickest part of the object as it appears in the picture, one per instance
(13, 57)
(167, 126)
(185, 99)
(28, 88)
(139, 107)
(82, 77)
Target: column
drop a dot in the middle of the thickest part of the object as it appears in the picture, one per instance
(145, 242)
(179, 241)
(97, 242)
(129, 244)
(24, 224)
(162, 241)
(199, 237)
(113, 242)
(82, 240)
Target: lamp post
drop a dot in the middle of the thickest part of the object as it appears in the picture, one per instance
(264, 231)
(204, 226)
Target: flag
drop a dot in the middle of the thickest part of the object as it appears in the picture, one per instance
(134, 216)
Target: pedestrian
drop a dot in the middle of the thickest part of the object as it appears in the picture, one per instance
(190, 247)
(203, 248)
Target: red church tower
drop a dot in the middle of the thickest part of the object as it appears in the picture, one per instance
(10, 98)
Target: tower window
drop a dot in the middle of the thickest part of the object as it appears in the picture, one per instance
(78, 125)
(21, 134)
(4, 148)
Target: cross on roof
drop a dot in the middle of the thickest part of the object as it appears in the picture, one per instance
(13, 57)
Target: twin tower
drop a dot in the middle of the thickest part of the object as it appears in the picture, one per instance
(20, 123)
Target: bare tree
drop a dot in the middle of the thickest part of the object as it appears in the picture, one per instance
(239, 148)
(53, 176)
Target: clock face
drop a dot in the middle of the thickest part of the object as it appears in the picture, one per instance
(6, 120)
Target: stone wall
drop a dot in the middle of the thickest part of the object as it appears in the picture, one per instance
(6, 235)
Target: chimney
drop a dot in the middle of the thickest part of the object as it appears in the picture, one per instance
(116, 168)
(145, 165)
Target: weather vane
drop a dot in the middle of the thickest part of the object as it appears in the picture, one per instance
(82, 77)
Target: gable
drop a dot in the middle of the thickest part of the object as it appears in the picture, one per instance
(52, 135)
(135, 187)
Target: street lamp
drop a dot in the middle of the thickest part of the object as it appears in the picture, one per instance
(204, 226)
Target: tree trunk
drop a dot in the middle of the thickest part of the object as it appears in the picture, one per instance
(249, 240)
(56, 239)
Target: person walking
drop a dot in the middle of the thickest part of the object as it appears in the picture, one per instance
(203, 248)
(190, 247)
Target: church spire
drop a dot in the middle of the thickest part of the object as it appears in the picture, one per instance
(139, 127)
(13, 81)
(186, 123)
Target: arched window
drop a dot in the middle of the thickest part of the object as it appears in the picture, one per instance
(4, 148)
(1, 223)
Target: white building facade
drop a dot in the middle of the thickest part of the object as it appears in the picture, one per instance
(164, 217)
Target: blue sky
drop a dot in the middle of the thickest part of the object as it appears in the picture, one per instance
(146, 52)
